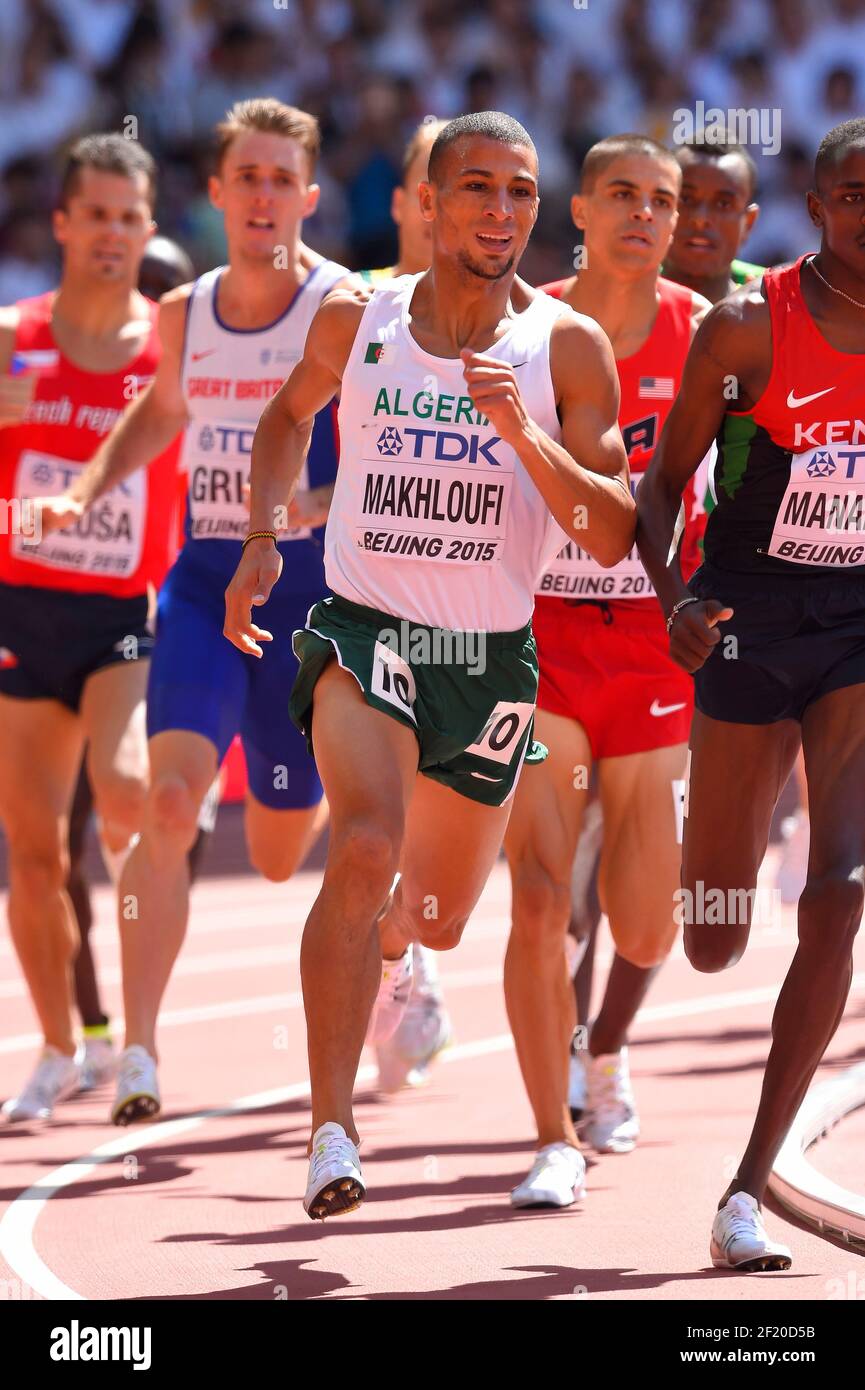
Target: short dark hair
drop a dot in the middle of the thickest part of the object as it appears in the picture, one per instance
(489, 125)
(835, 144)
(602, 154)
(111, 153)
(709, 147)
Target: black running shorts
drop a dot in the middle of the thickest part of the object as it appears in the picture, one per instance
(788, 643)
(52, 641)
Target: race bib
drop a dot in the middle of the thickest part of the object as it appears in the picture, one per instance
(217, 463)
(108, 540)
(433, 494)
(574, 574)
(502, 732)
(821, 519)
(392, 680)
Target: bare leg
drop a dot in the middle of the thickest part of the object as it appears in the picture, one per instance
(368, 764)
(814, 993)
(40, 753)
(154, 888)
(540, 844)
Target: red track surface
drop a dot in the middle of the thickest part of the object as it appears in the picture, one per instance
(213, 1210)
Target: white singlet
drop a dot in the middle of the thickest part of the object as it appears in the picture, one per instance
(433, 517)
(228, 376)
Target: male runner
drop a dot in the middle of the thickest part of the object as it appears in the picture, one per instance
(229, 340)
(164, 266)
(457, 386)
(424, 1029)
(608, 694)
(74, 607)
(717, 212)
(413, 232)
(774, 629)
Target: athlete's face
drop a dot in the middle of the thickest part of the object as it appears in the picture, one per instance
(263, 189)
(105, 226)
(415, 233)
(484, 206)
(629, 216)
(716, 215)
(839, 209)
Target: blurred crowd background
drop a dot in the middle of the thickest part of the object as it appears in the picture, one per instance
(570, 70)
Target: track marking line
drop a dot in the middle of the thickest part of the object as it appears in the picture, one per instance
(18, 1224)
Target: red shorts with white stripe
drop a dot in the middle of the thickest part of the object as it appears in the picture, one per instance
(608, 667)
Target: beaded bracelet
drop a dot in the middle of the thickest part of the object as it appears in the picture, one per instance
(259, 536)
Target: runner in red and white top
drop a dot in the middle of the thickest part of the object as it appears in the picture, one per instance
(609, 695)
(782, 591)
(74, 638)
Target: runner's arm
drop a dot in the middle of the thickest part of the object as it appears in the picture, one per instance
(585, 479)
(714, 364)
(285, 427)
(278, 450)
(152, 421)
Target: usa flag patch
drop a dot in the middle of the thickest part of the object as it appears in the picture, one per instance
(656, 388)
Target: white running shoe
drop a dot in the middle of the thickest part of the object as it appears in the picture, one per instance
(335, 1185)
(393, 995)
(56, 1076)
(98, 1064)
(137, 1095)
(557, 1178)
(739, 1239)
(793, 866)
(577, 1089)
(613, 1126)
(423, 1032)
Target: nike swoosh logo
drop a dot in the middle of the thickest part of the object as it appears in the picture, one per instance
(197, 356)
(793, 402)
(658, 710)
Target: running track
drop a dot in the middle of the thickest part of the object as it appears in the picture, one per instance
(206, 1205)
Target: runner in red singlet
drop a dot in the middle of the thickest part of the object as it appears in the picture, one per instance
(609, 695)
(773, 628)
(74, 605)
(165, 265)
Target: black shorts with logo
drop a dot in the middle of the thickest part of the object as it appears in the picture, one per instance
(51, 641)
(789, 642)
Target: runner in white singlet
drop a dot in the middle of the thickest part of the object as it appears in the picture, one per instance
(466, 399)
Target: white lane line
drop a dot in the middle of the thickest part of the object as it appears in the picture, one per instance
(19, 1220)
(797, 1184)
(257, 1004)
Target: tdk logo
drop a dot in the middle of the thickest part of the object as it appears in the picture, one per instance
(822, 465)
(226, 439)
(443, 446)
(389, 441)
